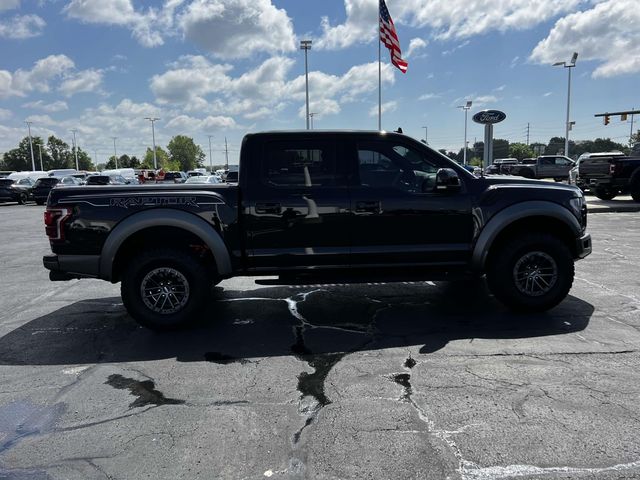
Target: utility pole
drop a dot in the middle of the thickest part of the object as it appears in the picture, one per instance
(210, 156)
(33, 162)
(96, 158)
(631, 132)
(75, 147)
(527, 133)
(153, 133)
(311, 117)
(426, 139)
(568, 66)
(226, 154)
(115, 153)
(40, 151)
(306, 46)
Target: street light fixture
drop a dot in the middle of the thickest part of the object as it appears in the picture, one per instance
(426, 140)
(306, 46)
(115, 153)
(466, 109)
(33, 162)
(210, 156)
(153, 134)
(570, 65)
(75, 147)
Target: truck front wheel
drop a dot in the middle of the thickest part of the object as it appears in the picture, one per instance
(605, 193)
(531, 272)
(165, 288)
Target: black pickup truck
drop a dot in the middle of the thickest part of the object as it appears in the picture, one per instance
(315, 207)
(610, 174)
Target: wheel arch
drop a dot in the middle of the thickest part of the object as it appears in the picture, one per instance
(539, 216)
(166, 226)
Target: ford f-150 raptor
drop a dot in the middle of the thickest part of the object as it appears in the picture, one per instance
(313, 207)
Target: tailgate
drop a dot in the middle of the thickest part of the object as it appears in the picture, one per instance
(597, 167)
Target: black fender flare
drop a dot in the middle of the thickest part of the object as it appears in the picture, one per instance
(164, 217)
(513, 213)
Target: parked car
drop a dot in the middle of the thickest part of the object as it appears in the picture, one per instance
(500, 166)
(232, 177)
(42, 187)
(113, 179)
(591, 167)
(172, 177)
(210, 179)
(611, 174)
(390, 209)
(544, 166)
(62, 172)
(9, 192)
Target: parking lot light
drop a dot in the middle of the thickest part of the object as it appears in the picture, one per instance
(569, 66)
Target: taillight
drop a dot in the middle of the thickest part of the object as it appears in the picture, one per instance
(615, 168)
(54, 219)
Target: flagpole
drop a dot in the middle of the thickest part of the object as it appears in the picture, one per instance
(379, 74)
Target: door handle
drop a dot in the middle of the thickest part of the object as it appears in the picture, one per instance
(368, 206)
(272, 208)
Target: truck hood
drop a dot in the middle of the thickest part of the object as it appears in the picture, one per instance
(510, 181)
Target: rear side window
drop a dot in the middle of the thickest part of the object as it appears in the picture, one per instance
(299, 164)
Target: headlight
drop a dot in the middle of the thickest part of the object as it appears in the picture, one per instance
(577, 204)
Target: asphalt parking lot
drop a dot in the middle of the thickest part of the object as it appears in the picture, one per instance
(407, 380)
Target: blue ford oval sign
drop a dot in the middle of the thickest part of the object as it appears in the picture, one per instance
(489, 116)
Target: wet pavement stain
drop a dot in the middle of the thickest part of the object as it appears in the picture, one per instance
(144, 390)
(313, 383)
(22, 419)
(403, 379)
(222, 359)
(410, 363)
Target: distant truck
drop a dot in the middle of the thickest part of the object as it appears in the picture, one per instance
(609, 174)
(545, 166)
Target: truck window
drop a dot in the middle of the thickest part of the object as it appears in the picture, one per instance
(384, 165)
(298, 164)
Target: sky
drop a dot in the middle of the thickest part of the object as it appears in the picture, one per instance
(224, 68)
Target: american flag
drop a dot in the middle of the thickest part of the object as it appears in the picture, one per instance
(389, 37)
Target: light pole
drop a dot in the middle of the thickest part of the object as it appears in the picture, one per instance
(115, 154)
(569, 65)
(33, 162)
(306, 46)
(311, 115)
(40, 152)
(426, 141)
(466, 108)
(153, 134)
(75, 147)
(210, 156)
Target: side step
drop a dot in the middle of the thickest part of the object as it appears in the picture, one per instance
(365, 278)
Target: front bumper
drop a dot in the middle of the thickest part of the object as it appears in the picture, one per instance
(583, 246)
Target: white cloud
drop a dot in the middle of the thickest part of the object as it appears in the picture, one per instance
(57, 106)
(415, 45)
(120, 13)
(198, 85)
(9, 4)
(607, 33)
(44, 72)
(547, 94)
(514, 62)
(83, 81)
(386, 107)
(500, 88)
(429, 96)
(21, 27)
(448, 19)
(189, 124)
(237, 28)
(457, 47)
(5, 114)
(41, 120)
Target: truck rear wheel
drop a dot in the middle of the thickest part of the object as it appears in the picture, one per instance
(605, 193)
(165, 288)
(532, 272)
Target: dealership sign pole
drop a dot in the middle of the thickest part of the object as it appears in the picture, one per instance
(488, 118)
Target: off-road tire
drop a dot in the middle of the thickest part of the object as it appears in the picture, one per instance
(40, 202)
(605, 193)
(634, 186)
(527, 173)
(22, 198)
(165, 274)
(520, 258)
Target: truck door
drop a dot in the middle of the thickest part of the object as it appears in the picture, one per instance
(296, 204)
(398, 217)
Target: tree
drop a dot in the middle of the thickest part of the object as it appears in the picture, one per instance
(185, 152)
(500, 148)
(520, 151)
(20, 158)
(162, 157)
(60, 153)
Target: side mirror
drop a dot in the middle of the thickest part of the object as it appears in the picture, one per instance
(447, 180)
